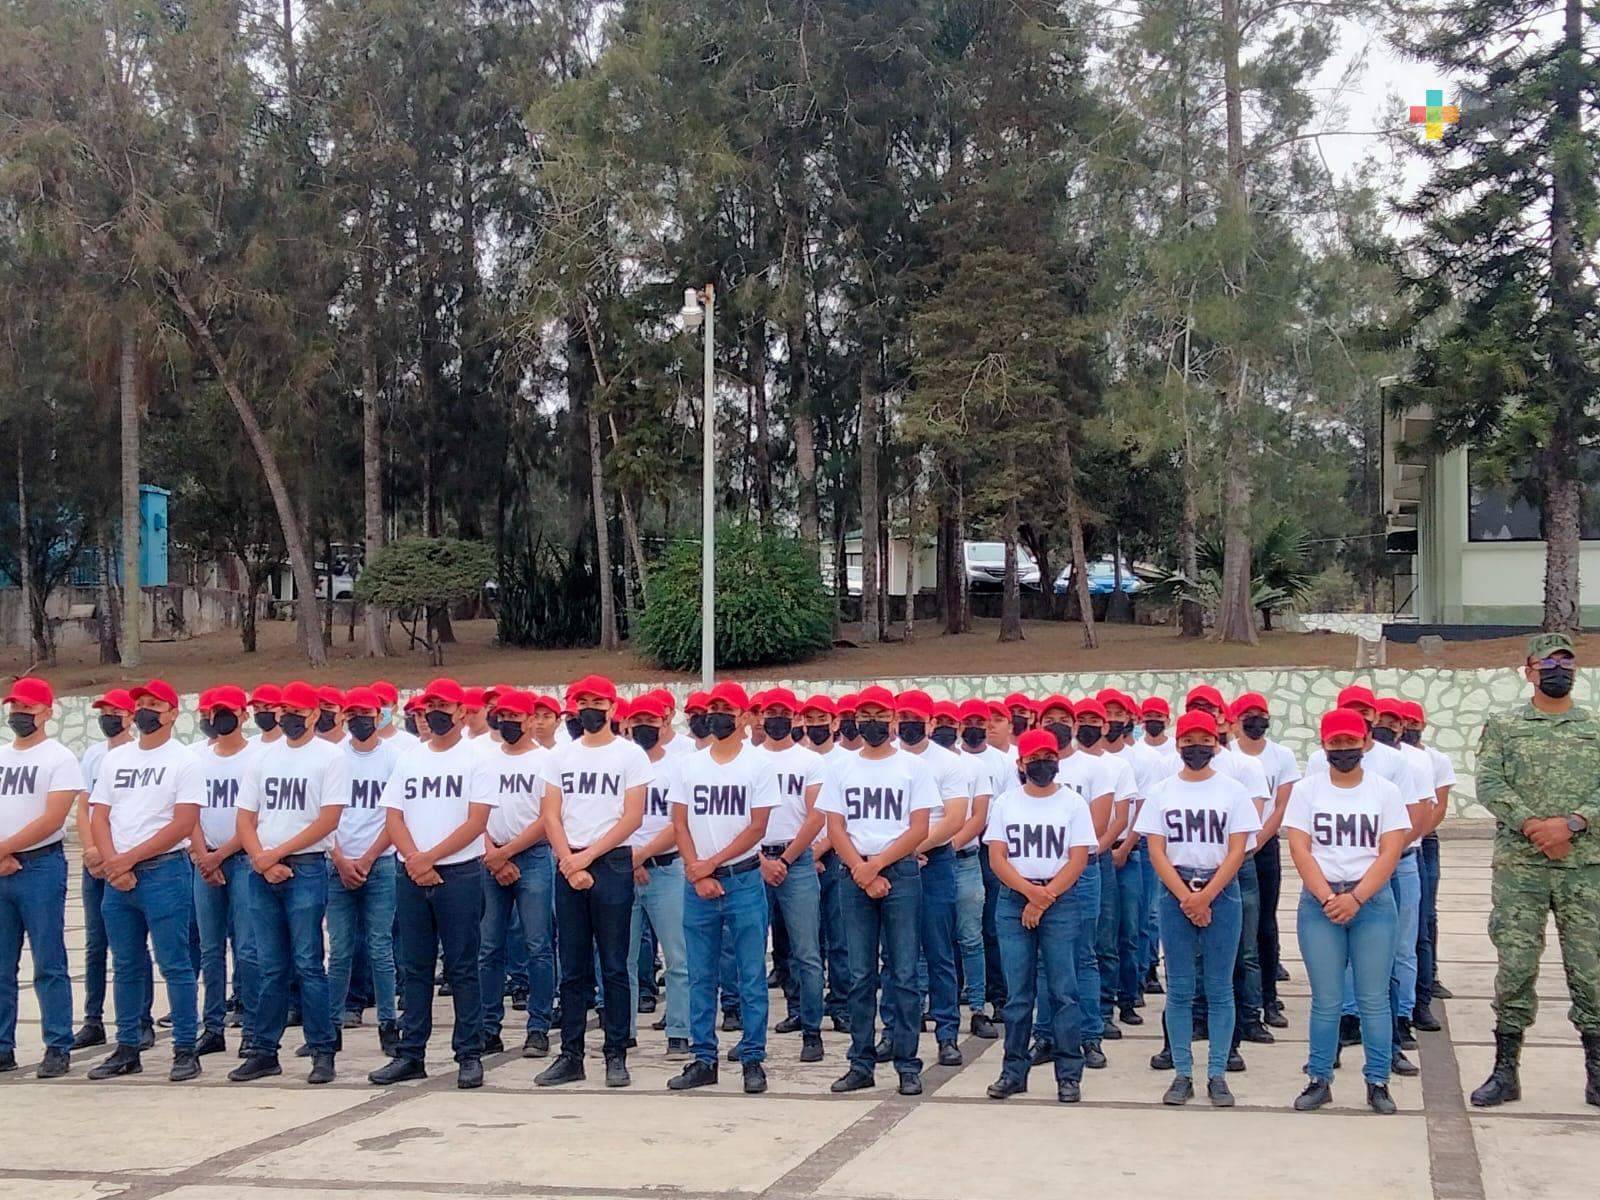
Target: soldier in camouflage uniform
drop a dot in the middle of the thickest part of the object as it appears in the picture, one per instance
(1539, 774)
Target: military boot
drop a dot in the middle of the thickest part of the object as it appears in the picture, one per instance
(1503, 1083)
(1591, 1066)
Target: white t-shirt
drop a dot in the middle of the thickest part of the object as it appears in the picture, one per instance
(27, 777)
(1039, 832)
(658, 800)
(796, 770)
(141, 788)
(1149, 766)
(518, 779)
(1089, 775)
(1389, 763)
(433, 790)
(876, 797)
(1277, 763)
(593, 780)
(92, 758)
(361, 823)
(951, 776)
(1197, 818)
(1444, 771)
(1125, 786)
(401, 740)
(288, 788)
(1346, 823)
(1249, 774)
(1422, 769)
(224, 774)
(678, 746)
(720, 797)
(999, 770)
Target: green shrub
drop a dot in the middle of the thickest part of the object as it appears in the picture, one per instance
(420, 578)
(771, 605)
(549, 596)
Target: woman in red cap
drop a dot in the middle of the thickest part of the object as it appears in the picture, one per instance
(1346, 831)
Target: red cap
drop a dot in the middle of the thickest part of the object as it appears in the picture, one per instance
(1091, 708)
(1248, 701)
(363, 697)
(1197, 722)
(1018, 700)
(880, 697)
(225, 696)
(415, 703)
(157, 689)
(946, 710)
(1343, 720)
(973, 710)
(267, 695)
(545, 700)
(780, 697)
(117, 698)
(621, 708)
(512, 701)
(1155, 704)
(1205, 692)
(1413, 711)
(474, 697)
(1114, 696)
(203, 700)
(595, 686)
(300, 695)
(330, 697)
(31, 690)
(998, 709)
(446, 691)
(668, 700)
(916, 701)
(697, 702)
(1036, 740)
(729, 692)
(1390, 707)
(847, 702)
(387, 692)
(1356, 694)
(1056, 700)
(820, 703)
(648, 705)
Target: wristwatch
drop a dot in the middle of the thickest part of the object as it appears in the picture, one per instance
(1576, 824)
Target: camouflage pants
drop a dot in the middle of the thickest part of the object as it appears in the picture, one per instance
(1523, 898)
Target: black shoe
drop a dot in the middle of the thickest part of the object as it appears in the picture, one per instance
(1379, 1100)
(55, 1064)
(733, 1051)
(234, 1019)
(841, 1024)
(1401, 1065)
(1235, 1061)
(731, 1022)
(1152, 986)
(1349, 1030)
(853, 1080)
(1181, 1091)
(982, 1027)
(389, 1037)
(1161, 1060)
(1275, 1018)
(1007, 1086)
(1256, 1032)
(1217, 1089)
(1128, 1016)
(147, 1035)
(787, 1025)
(1069, 1092)
(445, 989)
(296, 1018)
(949, 1054)
(303, 1050)
(1338, 1057)
(398, 1070)
(884, 1050)
(678, 1049)
(1403, 1036)
(1424, 1019)
(185, 1066)
(1044, 1050)
(811, 1047)
(352, 1020)
(647, 1005)
(910, 1083)
(321, 1068)
(1282, 974)
(1111, 1033)
(494, 1044)
(519, 1000)
(1093, 1057)
(927, 1022)
(469, 1073)
(257, 1066)
(93, 1033)
(617, 1071)
(755, 1079)
(124, 1060)
(772, 980)
(211, 1042)
(567, 1068)
(165, 1021)
(1504, 1082)
(1440, 992)
(1138, 1001)
(658, 1026)
(1591, 1068)
(1318, 1092)
(695, 1074)
(536, 1045)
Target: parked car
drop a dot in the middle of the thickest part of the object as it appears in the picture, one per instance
(986, 567)
(1102, 578)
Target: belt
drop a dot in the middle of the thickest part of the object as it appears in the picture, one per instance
(1038, 882)
(1195, 877)
(1340, 888)
(774, 849)
(739, 868)
(23, 856)
(1094, 857)
(967, 853)
(1430, 837)
(158, 860)
(939, 851)
(662, 860)
(304, 860)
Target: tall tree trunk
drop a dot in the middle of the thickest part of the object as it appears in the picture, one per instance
(1191, 617)
(1563, 514)
(805, 434)
(1080, 562)
(609, 638)
(1011, 594)
(43, 644)
(106, 600)
(630, 527)
(913, 530)
(756, 356)
(305, 578)
(871, 406)
(128, 394)
(376, 620)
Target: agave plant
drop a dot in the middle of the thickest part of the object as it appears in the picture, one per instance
(1279, 577)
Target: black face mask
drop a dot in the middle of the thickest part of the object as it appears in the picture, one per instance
(779, 729)
(439, 723)
(646, 736)
(1041, 771)
(207, 729)
(873, 733)
(1116, 730)
(1197, 758)
(224, 722)
(1412, 737)
(1155, 728)
(616, 725)
(1088, 735)
(268, 721)
(848, 728)
(361, 728)
(293, 726)
(975, 736)
(1254, 727)
(510, 732)
(326, 720)
(722, 725)
(23, 724)
(111, 726)
(1062, 733)
(148, 720)
(1385, 736)
(699, 726)
(1019, 726)
(411, 724)
(1343, 760)
(818, 734)
(1556, 682)
(574, 728)
(593, 720)
(912, 732)
(943, 735)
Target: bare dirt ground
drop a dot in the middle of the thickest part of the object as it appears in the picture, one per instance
(1047, 646)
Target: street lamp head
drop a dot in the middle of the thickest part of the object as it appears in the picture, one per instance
(691, 314)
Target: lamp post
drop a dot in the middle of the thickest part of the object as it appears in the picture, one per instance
(692, 314)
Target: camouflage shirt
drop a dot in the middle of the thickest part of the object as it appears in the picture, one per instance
(1539, 764)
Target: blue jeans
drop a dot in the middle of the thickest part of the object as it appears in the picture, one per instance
(1247, 964)
(835, 948)
(889, 927)
(1364, 946)
(596, 922)
(1025, 953)
(1428, 919)
(33, 902)
(1219, 941)
(1105, 933)
(799, 900)
(532, 898)
(223, 915)
(1152, 900)
(969, 928)
(1085, 896)
(95, 949)
(352, 911)
(1269, 882)
(1406, 884)
(661, 903)
(288, 927)
(644, 962)
(1130, 927)
(736, 919)
(443, 916)
(157, 911)
(994, 976)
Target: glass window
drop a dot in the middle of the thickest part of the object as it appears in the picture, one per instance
(1507, 514)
